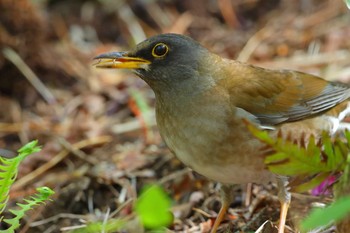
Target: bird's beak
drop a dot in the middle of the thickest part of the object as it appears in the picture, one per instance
(120, 60)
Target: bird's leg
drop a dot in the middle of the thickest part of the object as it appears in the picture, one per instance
(226, 199)
(284, 197)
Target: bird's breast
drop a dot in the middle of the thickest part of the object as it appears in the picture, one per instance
(206, 133)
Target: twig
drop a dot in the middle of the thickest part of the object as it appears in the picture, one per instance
(134, 27)
(105, 220)
(228, 13)
(132, 125)
(253, 43)
(202, 212)
(56, 217)
(79, 153)
(10, 127)
(70, 228)
(59, 157)
(38, 212)
(122, 206)
(174, 175)
(12, 56)
(181, 24)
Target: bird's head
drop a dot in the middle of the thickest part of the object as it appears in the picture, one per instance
(164, 60)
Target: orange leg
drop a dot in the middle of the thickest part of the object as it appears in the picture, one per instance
(226, 196)
(283, 216)
(220, 217)
(284, 197)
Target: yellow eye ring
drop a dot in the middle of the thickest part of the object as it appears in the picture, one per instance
(160, 50)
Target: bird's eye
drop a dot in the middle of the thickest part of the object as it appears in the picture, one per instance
(160, 50)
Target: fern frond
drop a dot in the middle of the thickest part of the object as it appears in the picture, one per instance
(9, 168)
(42, 195)
(317, 159)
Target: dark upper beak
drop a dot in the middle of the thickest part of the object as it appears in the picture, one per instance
(120, 60)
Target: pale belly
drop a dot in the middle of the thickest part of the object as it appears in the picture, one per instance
(226, 155)
(231, 172)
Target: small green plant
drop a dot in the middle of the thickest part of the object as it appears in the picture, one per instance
(8, 174)
(112, 225)
(347, 3)
(315, 160)
(40, 197)
(337, 212)
(151, 209)
(326, 216)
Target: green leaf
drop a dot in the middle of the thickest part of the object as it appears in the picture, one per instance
(153, 208)
(327, 143)
(276, 158)
(260, 134)
(112, 225)
(323, 217)
(288, 158)
(45, 192)
(8, 174)
(9, 169)
(347, 136)
(42, 195)
(312, 183)
(347, 2)
(29, 148)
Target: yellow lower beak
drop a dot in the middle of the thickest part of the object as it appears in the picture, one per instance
(120, 60)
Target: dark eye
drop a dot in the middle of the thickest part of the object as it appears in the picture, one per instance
(160, 50)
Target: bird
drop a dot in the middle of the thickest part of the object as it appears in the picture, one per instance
(204, 102)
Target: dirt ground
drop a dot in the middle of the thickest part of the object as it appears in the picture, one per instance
(100, 144)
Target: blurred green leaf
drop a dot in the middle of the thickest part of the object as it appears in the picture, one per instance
(323, 217)
(347, 2)
(312, 183)
(153, 207)
(112, 225)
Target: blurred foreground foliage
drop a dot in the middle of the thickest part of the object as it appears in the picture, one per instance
(313, 162)
(8, 174)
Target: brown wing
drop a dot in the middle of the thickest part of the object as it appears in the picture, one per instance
(283, 96)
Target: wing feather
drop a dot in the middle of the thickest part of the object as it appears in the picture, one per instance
(275, 97)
